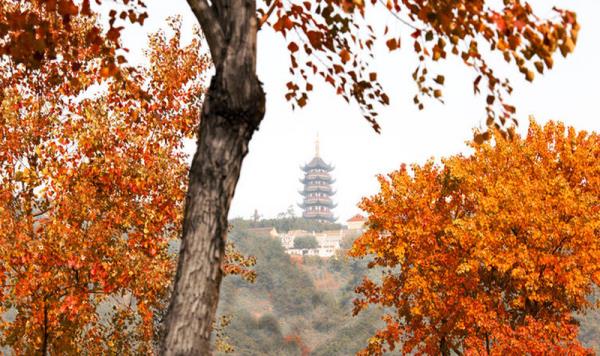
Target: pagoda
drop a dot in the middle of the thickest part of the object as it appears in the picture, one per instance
(317, 190)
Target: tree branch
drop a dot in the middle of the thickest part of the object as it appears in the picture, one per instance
(401, 20)
(267, 14)
(210, 27)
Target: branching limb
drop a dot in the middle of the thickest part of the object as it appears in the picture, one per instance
(210, 27)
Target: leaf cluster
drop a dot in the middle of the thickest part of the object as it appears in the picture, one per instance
(335, 40)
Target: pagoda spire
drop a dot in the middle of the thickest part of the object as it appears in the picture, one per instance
(317, 146)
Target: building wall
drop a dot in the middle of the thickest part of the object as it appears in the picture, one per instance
(356, 225)
(329, 242)
(321, 252)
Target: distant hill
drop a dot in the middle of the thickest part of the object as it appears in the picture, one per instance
(298, 305)
(284, 224)
(303, 305)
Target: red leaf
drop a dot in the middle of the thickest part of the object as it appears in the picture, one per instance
(293, 47)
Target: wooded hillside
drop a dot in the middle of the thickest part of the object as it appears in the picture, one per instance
(303, 306)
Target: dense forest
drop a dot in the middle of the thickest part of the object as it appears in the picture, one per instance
(303, 306)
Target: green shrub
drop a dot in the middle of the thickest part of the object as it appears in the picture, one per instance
(305, 242)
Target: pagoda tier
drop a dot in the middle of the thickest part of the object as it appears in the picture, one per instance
(318, 176)
(317, 192)
(319, 215)
(317, 164)
(318, 202)
(314, 179)
(325, 189)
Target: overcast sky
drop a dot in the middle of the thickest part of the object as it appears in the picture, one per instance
(285, 140)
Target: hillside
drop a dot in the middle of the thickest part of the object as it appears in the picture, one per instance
(303, 305)
(296, 305)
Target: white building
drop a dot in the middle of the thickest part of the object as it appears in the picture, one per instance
(357, 222)
(287, 239)
(328, 242)
(330, 239)
(319, 251)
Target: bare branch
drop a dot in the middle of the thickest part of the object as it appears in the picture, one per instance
(265, 17)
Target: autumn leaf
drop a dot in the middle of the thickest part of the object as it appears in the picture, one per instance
(392, 44)
(345, 55)
(293, 47)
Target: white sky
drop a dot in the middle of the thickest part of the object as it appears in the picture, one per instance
(269, 179)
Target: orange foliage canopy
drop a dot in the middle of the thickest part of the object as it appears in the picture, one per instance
(92, 182)
(492, 253)
(33, 31)
(334, 40)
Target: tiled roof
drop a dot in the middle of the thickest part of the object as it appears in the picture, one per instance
(317, 162)
(357, 217)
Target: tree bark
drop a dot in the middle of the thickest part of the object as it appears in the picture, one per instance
(44, 350)
(233, 108)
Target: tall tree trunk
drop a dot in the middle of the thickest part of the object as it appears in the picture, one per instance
(233, 109)
(44, 350)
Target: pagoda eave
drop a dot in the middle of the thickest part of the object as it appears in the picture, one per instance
(312, 168)
(312, 180)
(308, 192)
(328, 206)
(329, 218)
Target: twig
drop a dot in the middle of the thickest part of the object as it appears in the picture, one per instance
(267, 14)
(399, 18)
